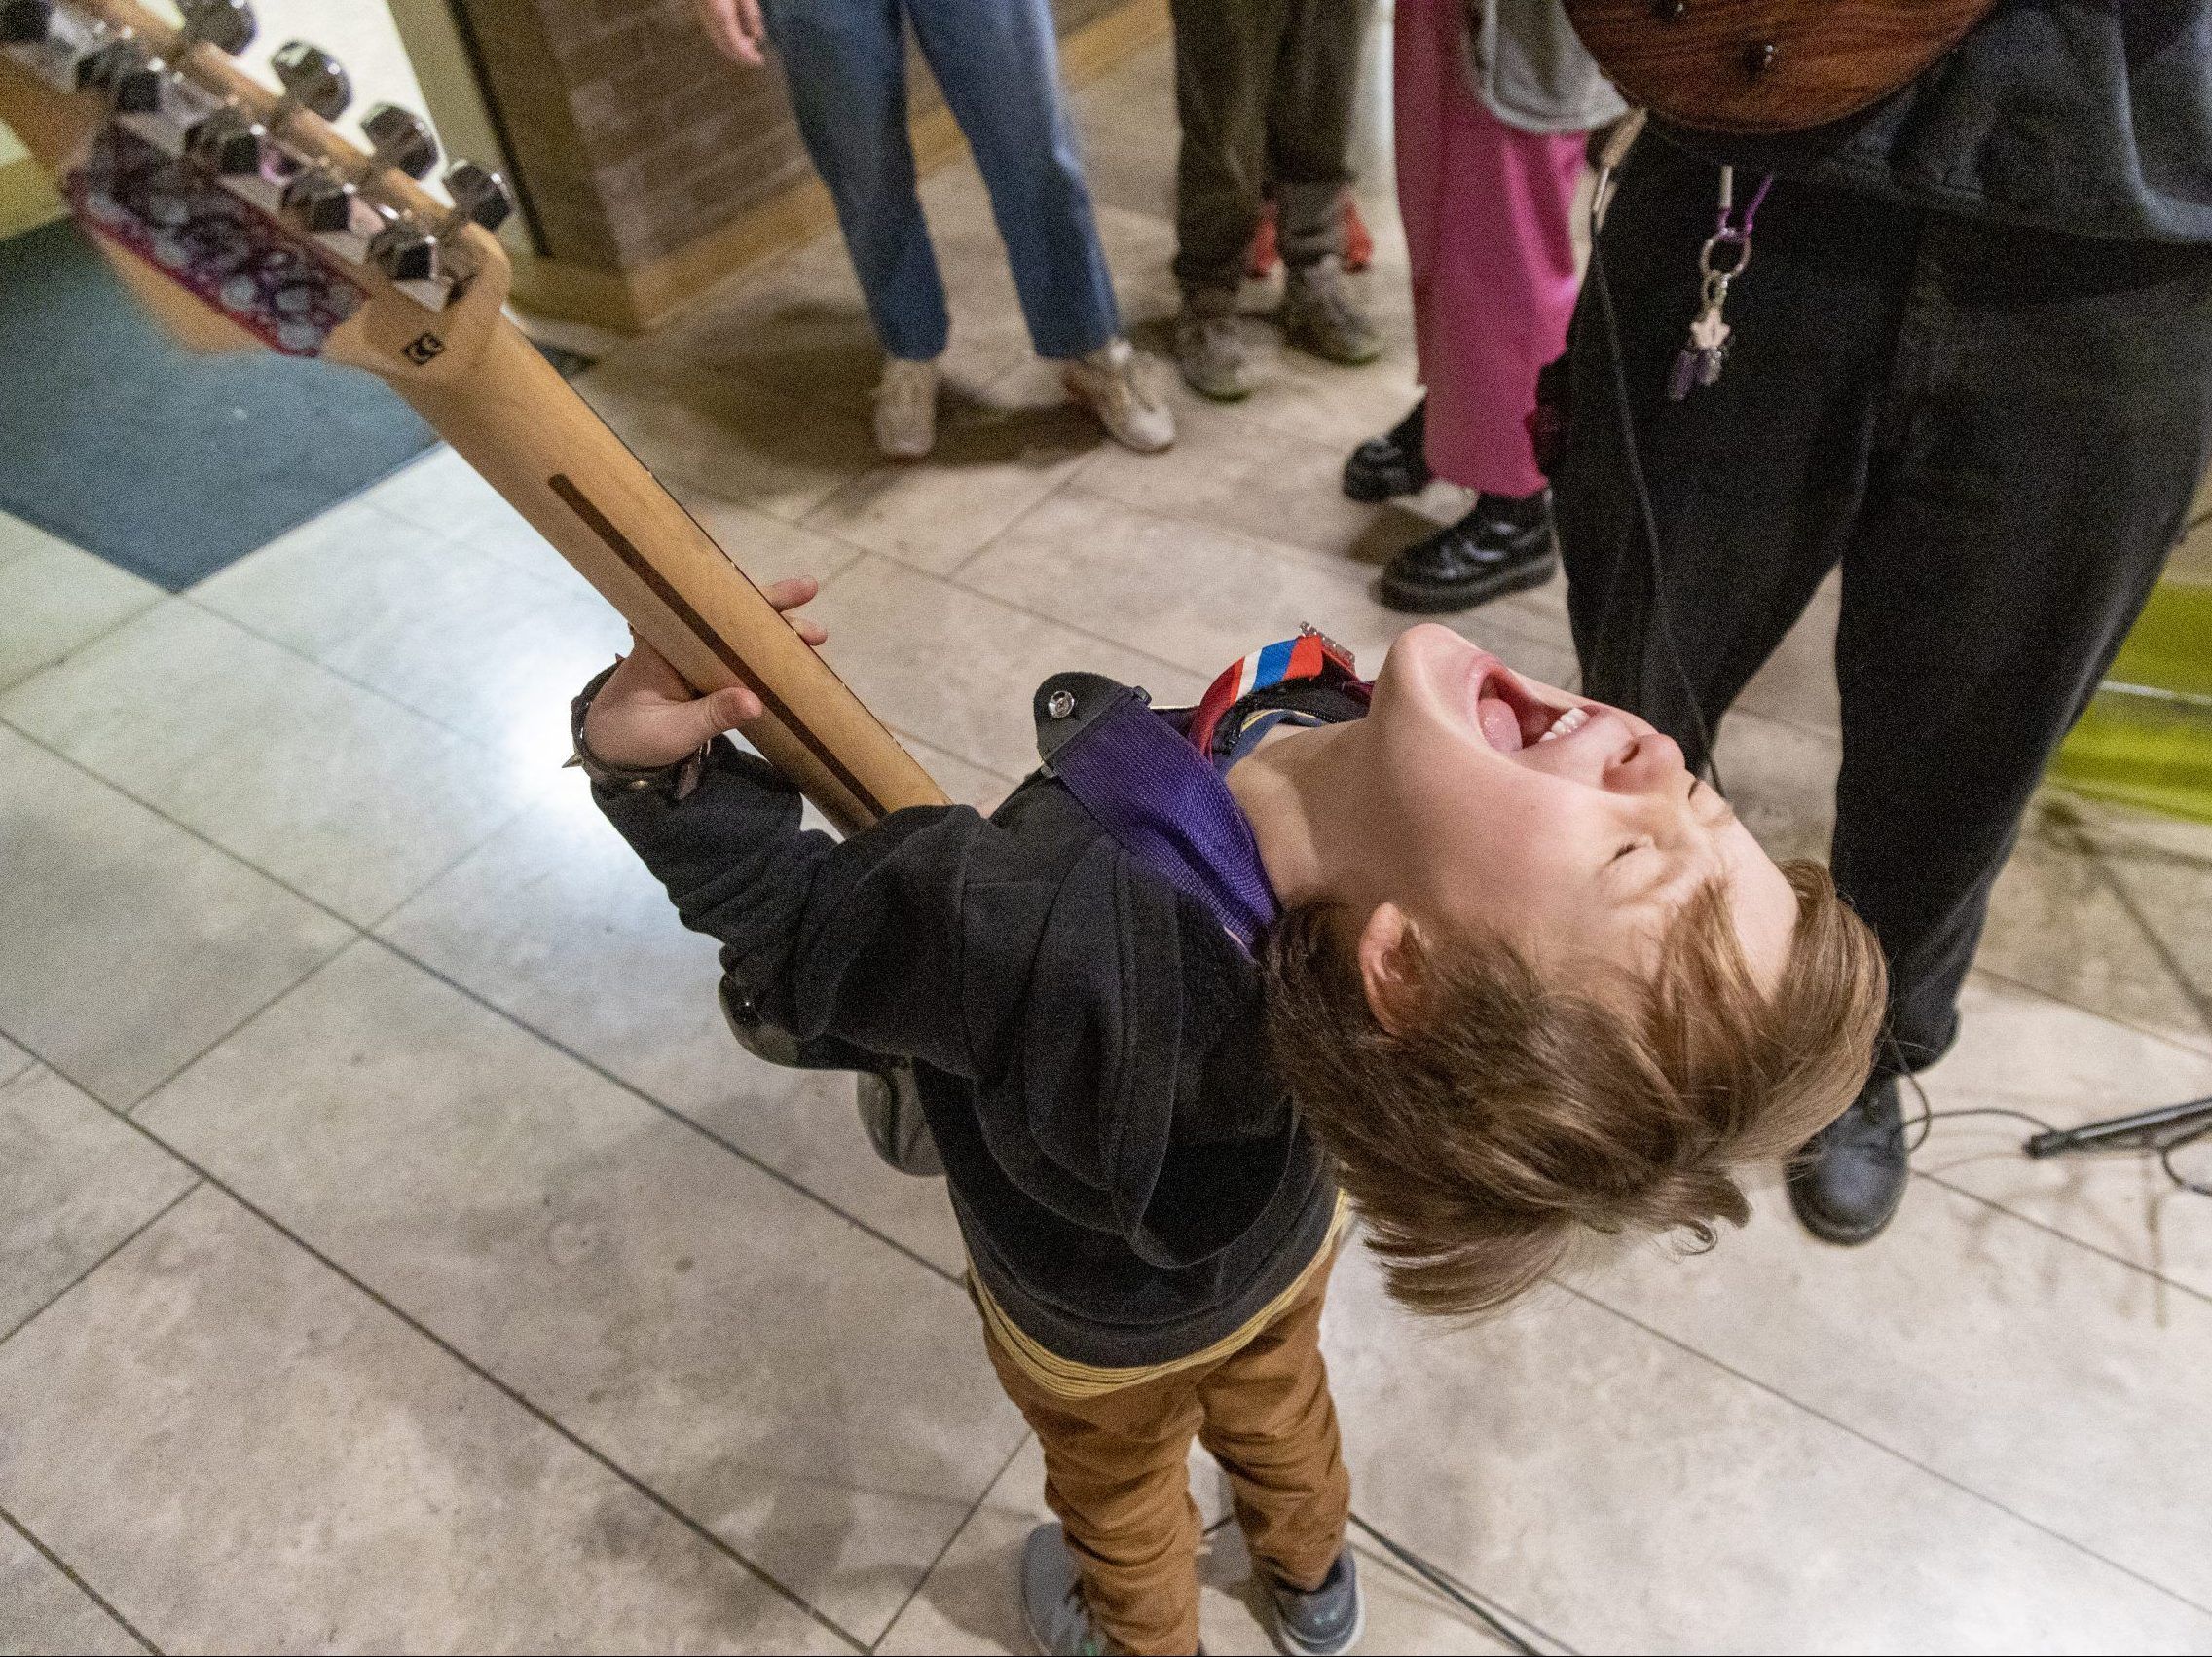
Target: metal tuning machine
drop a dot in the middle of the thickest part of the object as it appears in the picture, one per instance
(414, 255)
(57, 45)
(310, 79)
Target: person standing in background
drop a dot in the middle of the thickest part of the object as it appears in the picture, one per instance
(1264, 90)
(1493, 105)
(997, 62)
(1972, 366)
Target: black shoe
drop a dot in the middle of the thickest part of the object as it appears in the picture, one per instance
(1393, 464)
(1501, 547)
(1847, 1183)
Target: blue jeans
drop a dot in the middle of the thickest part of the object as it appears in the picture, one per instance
(998, 63)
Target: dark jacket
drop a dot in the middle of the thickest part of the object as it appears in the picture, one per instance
(1132, 1183)
(2085, 116)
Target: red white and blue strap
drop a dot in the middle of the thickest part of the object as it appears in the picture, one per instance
(1310, 655)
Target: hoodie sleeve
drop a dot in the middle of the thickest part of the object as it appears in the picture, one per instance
(857, 941)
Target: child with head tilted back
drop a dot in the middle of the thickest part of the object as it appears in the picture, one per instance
(1471, 958)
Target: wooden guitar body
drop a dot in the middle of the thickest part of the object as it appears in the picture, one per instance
(199, 184)
(1767, 65)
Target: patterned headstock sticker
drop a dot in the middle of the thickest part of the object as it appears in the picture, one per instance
(232, 255)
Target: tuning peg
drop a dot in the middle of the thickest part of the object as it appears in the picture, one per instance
(480, 197)
(227, 143)
(321, 201)
(26, 22)
(398, 139)
(131, 75)
(228, 25)
(405, 253)
(313, 80)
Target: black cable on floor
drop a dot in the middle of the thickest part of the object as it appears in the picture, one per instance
(1444, 1585)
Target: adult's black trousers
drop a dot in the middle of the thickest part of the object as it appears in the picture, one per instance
(1995, 431)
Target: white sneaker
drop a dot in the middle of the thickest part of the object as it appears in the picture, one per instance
(1108, 384)
(905, 409)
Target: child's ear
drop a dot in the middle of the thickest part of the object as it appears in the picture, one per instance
(1384, 957)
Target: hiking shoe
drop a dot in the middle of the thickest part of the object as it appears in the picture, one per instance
(1051, 1597)
(1109, 385)
(905, 409)
(1321, 315)
(1502, 545)
(1324, 1622)
(1393, 464)
(1848, 1181)
(1210, 350)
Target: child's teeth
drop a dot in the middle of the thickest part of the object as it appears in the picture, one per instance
(1566, 724)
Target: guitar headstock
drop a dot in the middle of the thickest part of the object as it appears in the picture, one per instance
(236, 210)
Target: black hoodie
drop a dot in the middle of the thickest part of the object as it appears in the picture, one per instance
(1132, 1183)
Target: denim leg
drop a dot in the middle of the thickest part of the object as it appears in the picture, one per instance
(998, 63)
(845, 63)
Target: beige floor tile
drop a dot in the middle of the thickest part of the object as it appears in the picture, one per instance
(970, 1601)
(442, 492)
(465, 638)
(1625, 1494)
(1326, 403)
(799, 327)
(379, 1496)
(13, 1061)
(1227, 473)
(349, 799)
(129, 944)
(42, 1610)
(557, 922)
(74, 1182)
(991, 466)
(959, 668)
(2062, 921)
(2023, 1051)
(18, 535)
(714, 431)
(54, 599)
(1780, 779)
(1200, 597)
(1970, 1335)
(1798, 680)
(809, 1394)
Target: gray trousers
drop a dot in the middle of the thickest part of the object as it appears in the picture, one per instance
(1264, 88)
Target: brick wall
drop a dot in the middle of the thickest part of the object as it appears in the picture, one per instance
(629, 134)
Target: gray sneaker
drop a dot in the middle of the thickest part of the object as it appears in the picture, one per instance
(1321, 315)
(1324, 1622)
(1051, 1597)
(1210, 350)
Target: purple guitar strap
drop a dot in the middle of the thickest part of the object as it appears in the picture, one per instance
(1133, 768)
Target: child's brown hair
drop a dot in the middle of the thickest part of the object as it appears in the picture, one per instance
(1512, 1114)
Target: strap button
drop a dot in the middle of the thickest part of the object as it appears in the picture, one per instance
(1060, 704)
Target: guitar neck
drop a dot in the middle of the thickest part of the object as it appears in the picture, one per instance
(436, 334)
(525, 429)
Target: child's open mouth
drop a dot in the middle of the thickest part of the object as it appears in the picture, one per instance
(1508, 716)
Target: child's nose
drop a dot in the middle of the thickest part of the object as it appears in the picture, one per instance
(1650, 763)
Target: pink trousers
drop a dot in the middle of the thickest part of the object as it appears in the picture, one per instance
(1489, 213)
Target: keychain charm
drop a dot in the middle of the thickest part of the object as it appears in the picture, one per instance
(1725, 255)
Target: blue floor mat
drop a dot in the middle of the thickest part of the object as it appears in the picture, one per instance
(164, 460)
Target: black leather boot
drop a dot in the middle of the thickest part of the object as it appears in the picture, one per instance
(1393, 464)
(1501, 547)
(1847, 1183)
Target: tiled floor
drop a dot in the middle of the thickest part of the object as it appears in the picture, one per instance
(399, 1255)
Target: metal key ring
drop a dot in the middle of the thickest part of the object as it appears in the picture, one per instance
(1731, 238)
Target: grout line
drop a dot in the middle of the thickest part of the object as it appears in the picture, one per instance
(86, 1589)
(667, 1110)
(33, 1316)
(513, 1394)
(2162, 1279)
(2166, 1037)
(1868, 1439)
(977, 1506)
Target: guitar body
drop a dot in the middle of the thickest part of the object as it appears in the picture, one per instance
(229, 256)
(1767, 65)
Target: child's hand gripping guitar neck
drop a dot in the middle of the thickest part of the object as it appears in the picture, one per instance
(239, 217)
